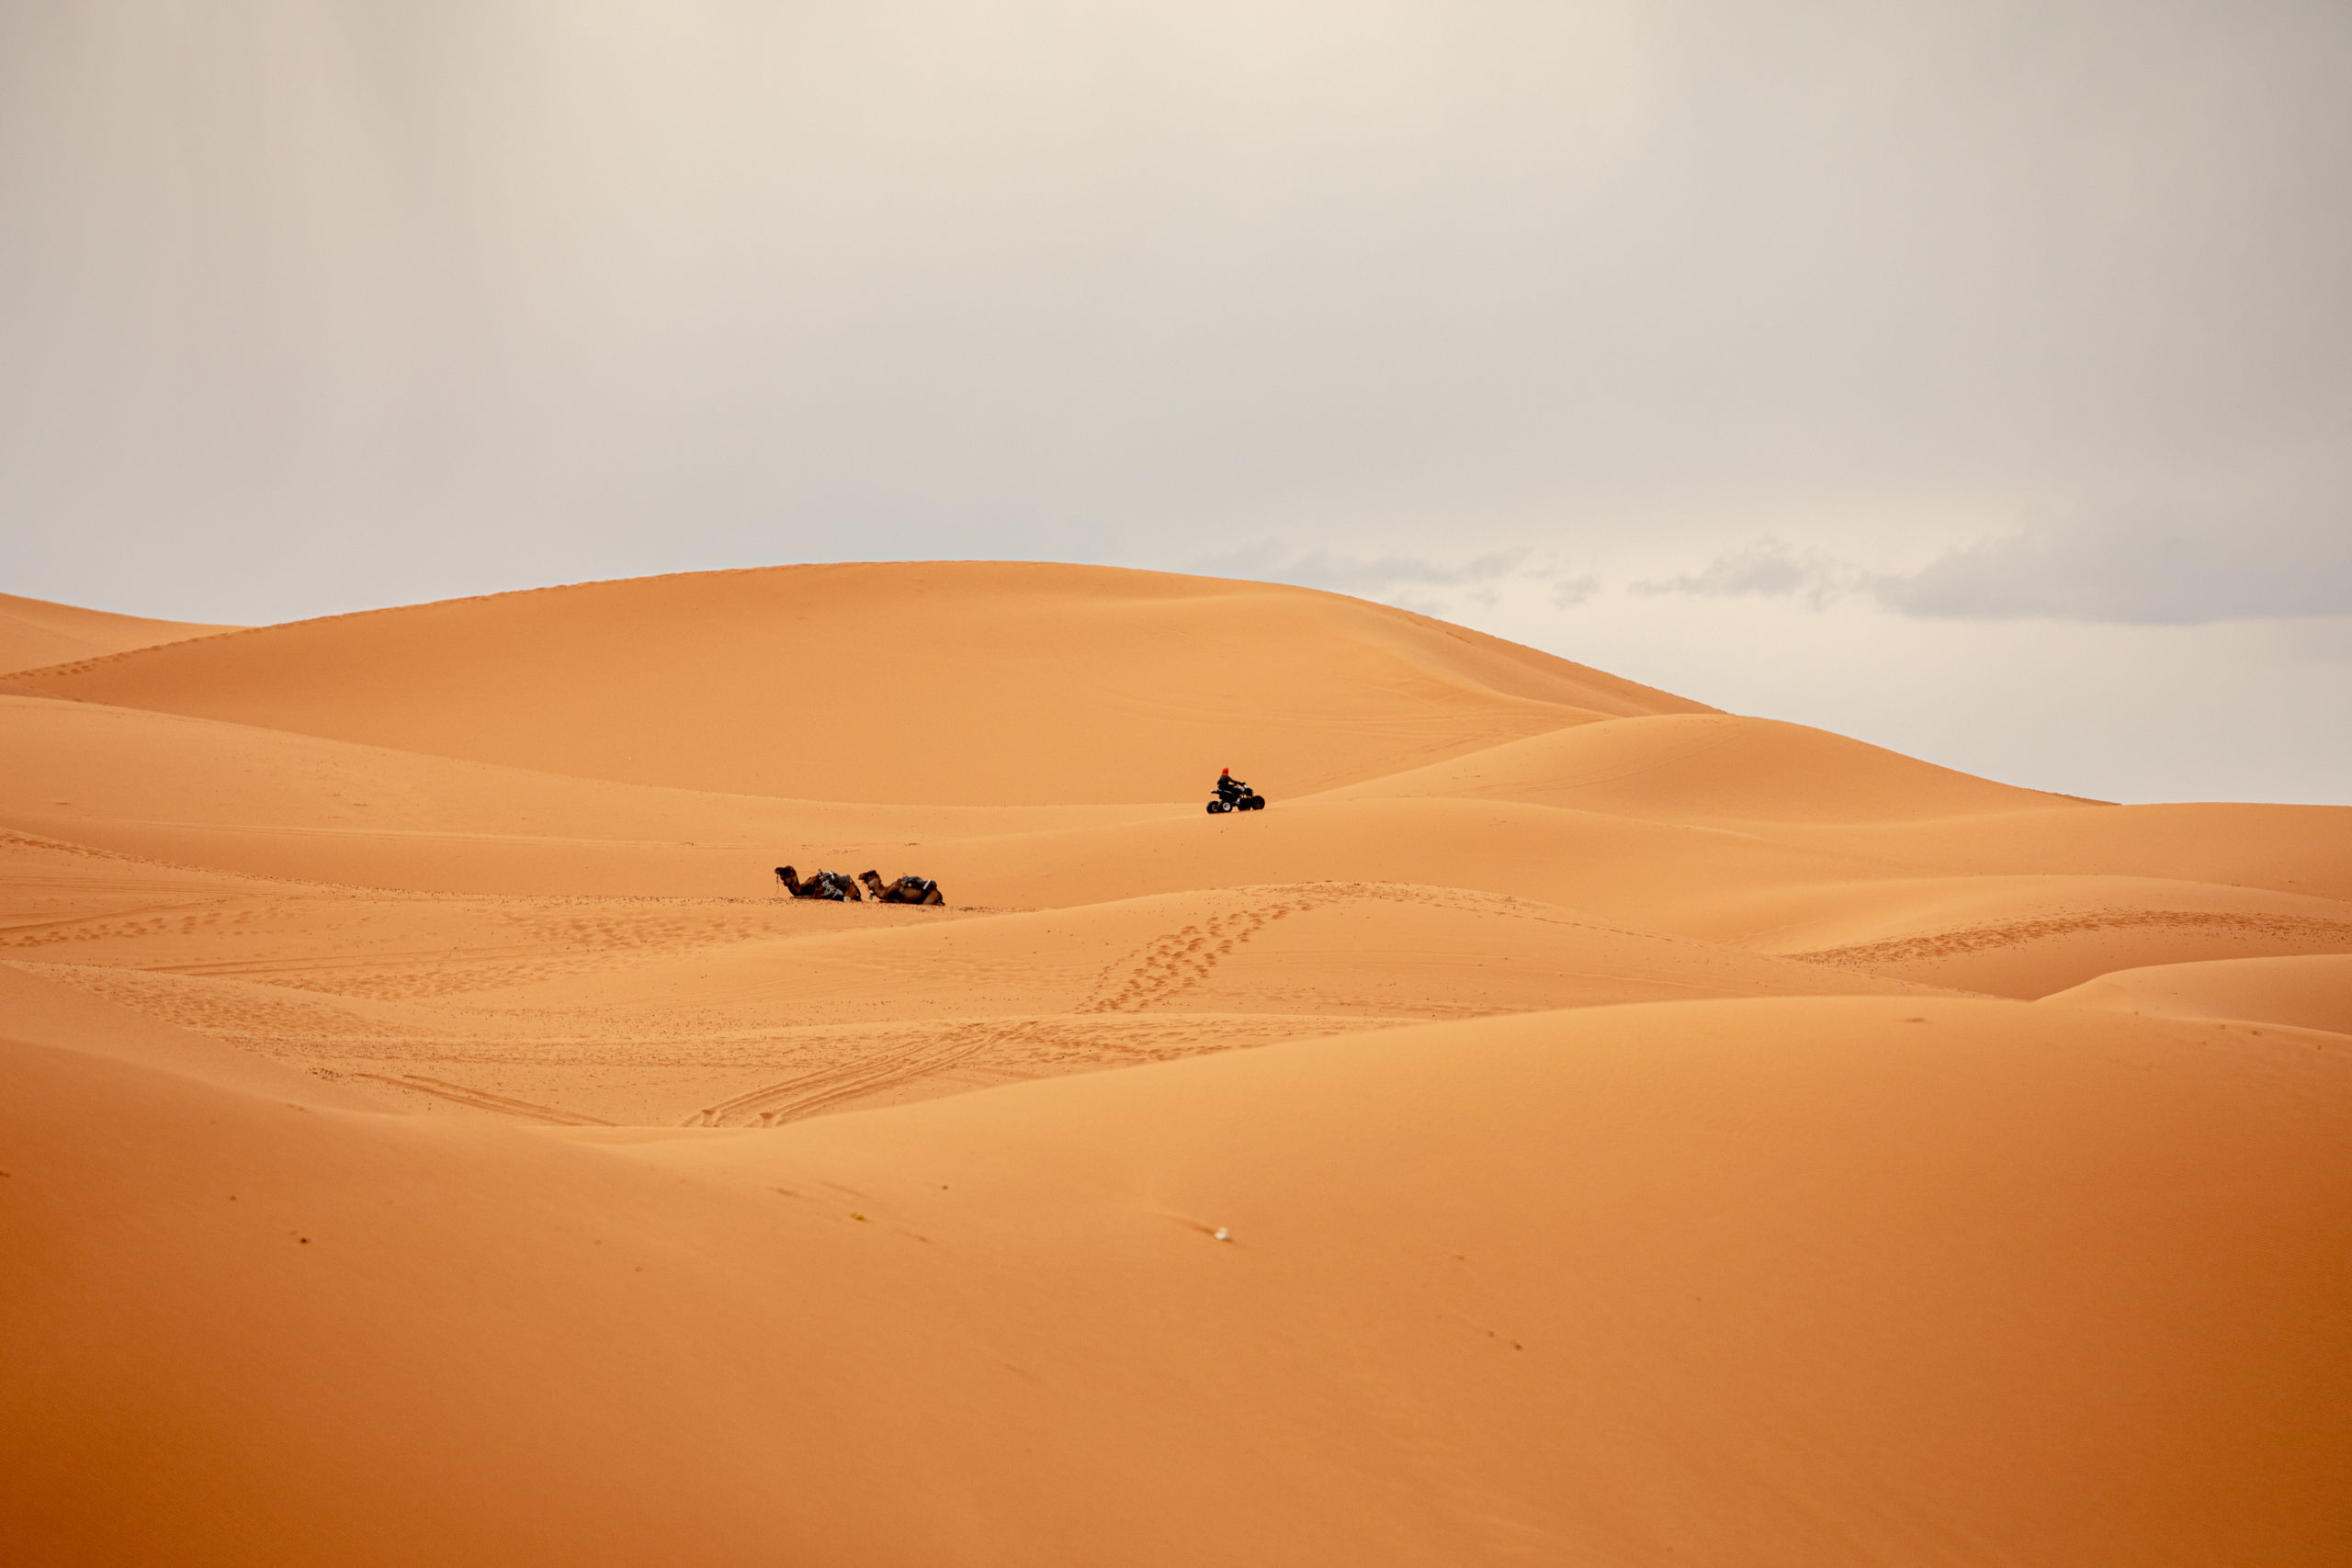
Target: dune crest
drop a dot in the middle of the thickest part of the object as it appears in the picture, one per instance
(1703, 767)
(2312, 992)
(35, 633)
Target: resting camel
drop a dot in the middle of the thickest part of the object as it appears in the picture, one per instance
(830, 884)
(906, 890)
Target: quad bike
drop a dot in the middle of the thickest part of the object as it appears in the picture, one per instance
(1240, 797)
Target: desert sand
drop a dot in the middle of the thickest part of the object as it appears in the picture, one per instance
(1572, 1125)
(36, 632)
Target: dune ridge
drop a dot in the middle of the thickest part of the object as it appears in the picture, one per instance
(37, 634)
(2303, 992)
(1639, 1133)
(702, 681)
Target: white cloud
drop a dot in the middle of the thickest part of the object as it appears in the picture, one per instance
(1767, 569)
(2137, 574)
(2143, 573)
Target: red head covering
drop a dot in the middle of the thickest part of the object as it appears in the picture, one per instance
(1224, 772)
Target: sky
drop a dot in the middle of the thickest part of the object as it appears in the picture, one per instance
(1974, 378)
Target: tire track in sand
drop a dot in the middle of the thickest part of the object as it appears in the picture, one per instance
(483, 1099)
(2297, 929)
(1170, 964)
(772, 1105)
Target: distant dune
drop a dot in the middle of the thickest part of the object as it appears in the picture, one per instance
(939, 683)
(34, 632)
(1572, 1125)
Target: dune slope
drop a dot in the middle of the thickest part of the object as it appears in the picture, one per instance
(2312, 992)
(1713, 1282)
(35, 633)
(1709, 767)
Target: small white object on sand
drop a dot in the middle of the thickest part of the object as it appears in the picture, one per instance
(1224, 1234)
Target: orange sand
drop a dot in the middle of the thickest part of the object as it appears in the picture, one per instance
(36, 632)
(1647, 1135)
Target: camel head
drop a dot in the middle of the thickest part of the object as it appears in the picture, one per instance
(871, 878)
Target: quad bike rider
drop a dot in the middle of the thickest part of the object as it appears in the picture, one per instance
(1232, 795)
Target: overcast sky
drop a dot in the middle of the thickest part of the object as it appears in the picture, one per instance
(1975, 379)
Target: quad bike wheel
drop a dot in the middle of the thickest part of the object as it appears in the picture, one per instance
(1219, 808)
(1255, 803)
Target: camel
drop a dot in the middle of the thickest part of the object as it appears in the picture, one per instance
(906, 890)
(830, 884)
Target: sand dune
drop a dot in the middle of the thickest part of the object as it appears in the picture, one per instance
(294, 806)
(268, 803)
(35, 633)
(1725, 1282)
(1007, 684)
(429, 1135)
(1706, 768)
(2290, 849)
(2305, 993)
